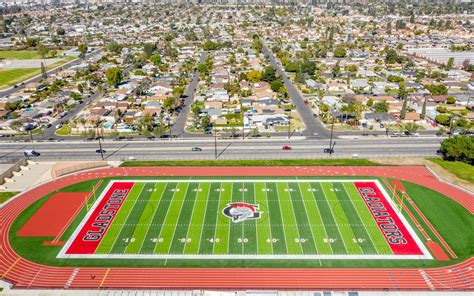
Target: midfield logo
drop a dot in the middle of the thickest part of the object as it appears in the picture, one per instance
(241, 211)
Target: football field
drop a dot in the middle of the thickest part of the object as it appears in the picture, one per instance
(244, 219)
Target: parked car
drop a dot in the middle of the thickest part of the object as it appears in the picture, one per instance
(196, 149)
(286, 147)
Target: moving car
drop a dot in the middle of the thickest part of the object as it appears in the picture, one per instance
(31, 153)
(101, 151)
(196, 149)
(286, 147)
(328, 150)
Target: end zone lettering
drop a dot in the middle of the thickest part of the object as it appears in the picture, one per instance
(106, 215)
(394, 231)
(94, 229)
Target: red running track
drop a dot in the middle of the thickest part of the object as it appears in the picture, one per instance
(25, 274)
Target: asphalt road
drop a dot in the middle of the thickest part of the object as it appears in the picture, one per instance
(313, 127)
(178, 127)
(50, 132)
(226, 149)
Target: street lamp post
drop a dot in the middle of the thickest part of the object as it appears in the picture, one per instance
(331, 145)
(215, 143)
(289, 125)
(99, 137)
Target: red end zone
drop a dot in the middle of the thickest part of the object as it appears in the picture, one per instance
(92, 232)
(393, 229)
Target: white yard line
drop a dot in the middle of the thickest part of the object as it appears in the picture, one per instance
(256, 230)
(154, 213)
(360, 218)
(294, 216)
(340, 234)
(307, 218)
(204, 217)
(128, 215)
(191, 216)
(164, 220)
(179, 216)
(217, 218)
(268, 215)
(319, 212)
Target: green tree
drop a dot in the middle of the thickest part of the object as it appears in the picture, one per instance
(292, 67)
(403, 112)
(170, 103)
(82, 48)
(60, 31)
(392, 57)
(31, 42)
(381, 107)
(308, 67)
(148, 49)
(437, 89)
(210, 45)
(44, 73)
(254, 76)
(443, 119)
(340, 52)
(269, 74)
(451, 100)
(114, 47)
(42, 50)
(423, 110)
(155, 59)
(178, 91)
(276, 85)
(113, 76)
(459, 148)
(450, 63)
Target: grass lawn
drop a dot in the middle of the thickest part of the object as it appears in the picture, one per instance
(4, 196)
(64, 130)
(277, 162)
(23, 54)
(343, 127)
(10, 77)
(460, 169)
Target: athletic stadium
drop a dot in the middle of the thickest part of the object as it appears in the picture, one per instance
(371, 228)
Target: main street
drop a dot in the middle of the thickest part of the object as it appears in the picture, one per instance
(226, 149)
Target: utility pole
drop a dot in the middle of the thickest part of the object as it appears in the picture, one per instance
(215, 143)
(169, 128)
(243, 121)
(99, 137)
(330, 140)
(289, 125)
